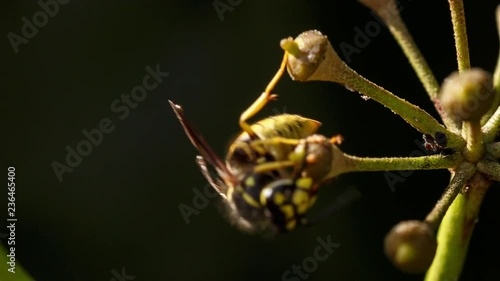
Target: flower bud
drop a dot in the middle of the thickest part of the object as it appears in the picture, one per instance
(307, 52)
(312, 58)
(468, 95)
(411, 246)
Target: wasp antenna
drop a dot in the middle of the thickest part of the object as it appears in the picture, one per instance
(202, 146)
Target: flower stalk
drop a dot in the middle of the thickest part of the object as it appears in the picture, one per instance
(456, 230)
(490, 168)
(319, 62)
(494, 149)
(475, 148)
(389, 13)
(373, 164)
(496, 77)
(463, 173)
(491, 128)
(460, 33)
(467, 101)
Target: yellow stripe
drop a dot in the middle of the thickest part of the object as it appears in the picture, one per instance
(287, 210)
(305, 183)
(249, 199)
(291, 224)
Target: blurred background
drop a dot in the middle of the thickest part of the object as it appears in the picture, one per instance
(118, 210)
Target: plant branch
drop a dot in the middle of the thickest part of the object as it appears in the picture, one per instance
(390, 15)
(458, 181)
(474, 149)
(496, 78)
(494, 149)
(456, 230)
(403, 37)
(318, 61)
(492, 127)
(414, 115)
(460, 32)
(490, 168)
(350, 163)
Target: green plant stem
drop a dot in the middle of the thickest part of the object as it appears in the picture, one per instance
(458, 181)
(491, 128)
(414, 115)
(496, 78)
(369, 164)
(494, 149)
(491, 168)
(474, 149)
(496, 75)
(403, 37)
(455, 232)
(322, 63)
(496, 100)
(460, 33)
(400, 32)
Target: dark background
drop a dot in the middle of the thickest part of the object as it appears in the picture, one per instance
(120, 206)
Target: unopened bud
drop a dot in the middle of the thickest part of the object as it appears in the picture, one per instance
(411, 246)
(468, 95)
(312, 58)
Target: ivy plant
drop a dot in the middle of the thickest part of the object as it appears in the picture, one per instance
(465, 141)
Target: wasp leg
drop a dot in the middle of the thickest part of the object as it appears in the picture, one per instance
(272, 166)
(265, 97)
(296, 159)
(257, 145)
(337, 139)
(275, 140)
(298, 156)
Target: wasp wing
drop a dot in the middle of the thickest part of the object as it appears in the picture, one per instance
(207, 153)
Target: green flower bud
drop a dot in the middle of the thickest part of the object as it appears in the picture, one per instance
(411, 246)
(468, 95)
(307, 51)
(312, 58)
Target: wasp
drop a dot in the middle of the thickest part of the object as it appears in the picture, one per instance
(274, 168)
